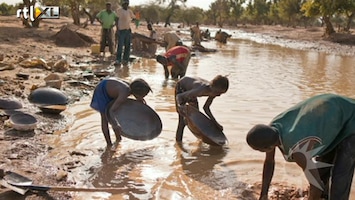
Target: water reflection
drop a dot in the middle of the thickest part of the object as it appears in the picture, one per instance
(122, 71)
(116, 172)
(264, 81)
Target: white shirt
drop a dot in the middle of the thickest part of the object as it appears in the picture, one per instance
(124, 18)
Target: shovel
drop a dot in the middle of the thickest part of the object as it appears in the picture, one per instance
(21, 185)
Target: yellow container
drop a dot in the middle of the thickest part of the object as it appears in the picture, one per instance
(95, 49)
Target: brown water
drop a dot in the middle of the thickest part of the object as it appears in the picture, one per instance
(264, 81)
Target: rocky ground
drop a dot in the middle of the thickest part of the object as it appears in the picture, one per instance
(30, 56)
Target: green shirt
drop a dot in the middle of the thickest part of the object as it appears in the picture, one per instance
(108, 19)
(325, 119)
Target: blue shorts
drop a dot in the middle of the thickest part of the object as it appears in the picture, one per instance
(100, 98)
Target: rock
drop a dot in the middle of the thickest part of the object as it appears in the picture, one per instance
(61, 175)
(61, 66)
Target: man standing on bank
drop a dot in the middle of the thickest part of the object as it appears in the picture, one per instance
(108, 19)
(125, 17)
(321, 127)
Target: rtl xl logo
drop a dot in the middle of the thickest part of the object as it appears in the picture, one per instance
(43, 12)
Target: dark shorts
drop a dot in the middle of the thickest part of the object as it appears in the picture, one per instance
(100, 98)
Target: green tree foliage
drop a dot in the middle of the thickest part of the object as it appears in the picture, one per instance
(190, 15)
(347, 7)
(173, 5)
(322, 8)
(236, 11)
(151, 13)
(290, 10)
(222, 11)
(7, 9)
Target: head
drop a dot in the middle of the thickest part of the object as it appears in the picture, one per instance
(162, 60)
(139, 88)
(219, 85)
(108, 6)
(263, 138)
(125, 4)
(149, 26)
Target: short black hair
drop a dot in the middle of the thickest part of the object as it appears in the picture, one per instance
(140, 87)
(108, 3)
(261, 136)
(220, 82)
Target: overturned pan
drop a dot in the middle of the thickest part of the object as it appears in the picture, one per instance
(23, 121)
(138, 121)
(9, 104)
(203, 128)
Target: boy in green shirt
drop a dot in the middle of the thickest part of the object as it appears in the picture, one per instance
(321, 127)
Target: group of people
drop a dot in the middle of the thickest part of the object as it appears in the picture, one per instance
(317, 134)
(122, 19)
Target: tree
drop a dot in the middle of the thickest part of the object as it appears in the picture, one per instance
(347, 7)
(151, 13)
(190, 15)
(221, 10)
(290, 10)
(27, 22)
(172, 6)
(236, 10)
(323, 8)
(6, 9)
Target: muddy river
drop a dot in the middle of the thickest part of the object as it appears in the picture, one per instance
(264, 81)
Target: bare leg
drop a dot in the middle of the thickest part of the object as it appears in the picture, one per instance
(105, 130)
(180, 129)
(166, 71)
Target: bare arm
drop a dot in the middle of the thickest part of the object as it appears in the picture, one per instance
(268, 172)
(207, 110)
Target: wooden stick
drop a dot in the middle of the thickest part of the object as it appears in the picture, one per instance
(70, 189)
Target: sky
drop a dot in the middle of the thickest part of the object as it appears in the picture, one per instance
(204, 4)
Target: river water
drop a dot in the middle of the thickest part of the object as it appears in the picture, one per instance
(264, 81)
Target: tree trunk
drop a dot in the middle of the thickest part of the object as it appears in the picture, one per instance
(348, 22)
(28, 23)
(329, 29)
(75, 12)
(92, 17)
(167, 21)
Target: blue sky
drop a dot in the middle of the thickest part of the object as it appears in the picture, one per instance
(204, 4)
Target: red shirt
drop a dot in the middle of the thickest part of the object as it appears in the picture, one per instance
(180, 52)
